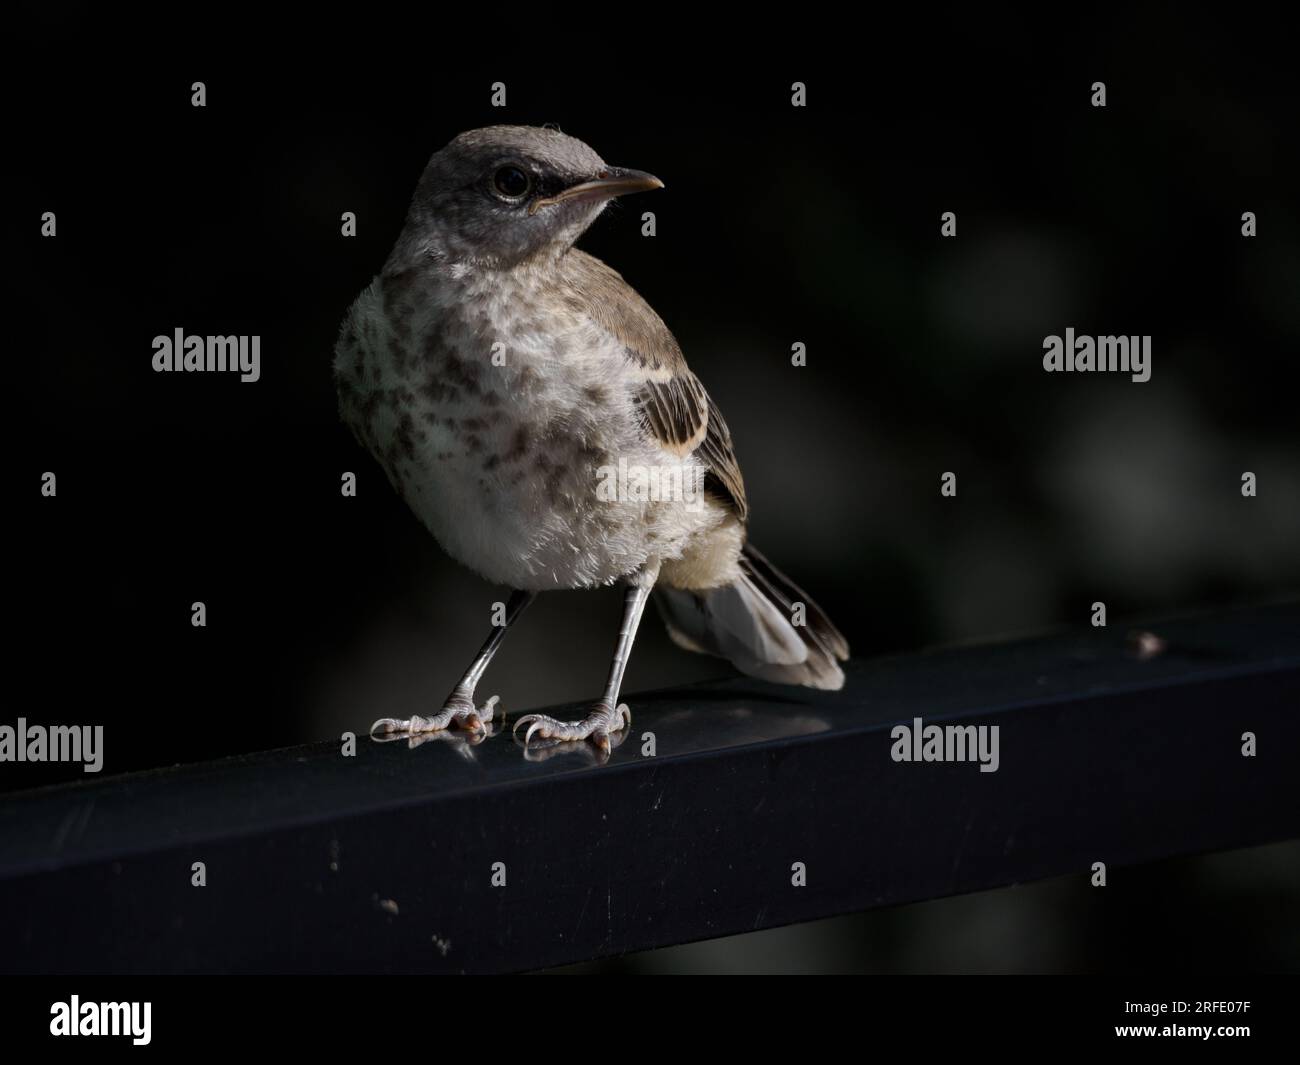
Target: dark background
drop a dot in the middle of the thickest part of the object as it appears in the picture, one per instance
(777, 225)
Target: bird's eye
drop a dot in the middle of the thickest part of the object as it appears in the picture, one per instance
(511, 182)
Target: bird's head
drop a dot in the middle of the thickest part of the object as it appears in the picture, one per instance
(502, 195)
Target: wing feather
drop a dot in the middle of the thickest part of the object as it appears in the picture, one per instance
(673, 406)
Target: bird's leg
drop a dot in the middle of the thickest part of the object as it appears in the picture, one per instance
(607, 715)
(459, 707)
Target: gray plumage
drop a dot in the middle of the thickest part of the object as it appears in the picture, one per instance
(497, 373)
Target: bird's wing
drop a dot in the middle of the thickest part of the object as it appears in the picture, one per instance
(675, 409)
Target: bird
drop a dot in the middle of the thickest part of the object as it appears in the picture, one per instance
(526, 403)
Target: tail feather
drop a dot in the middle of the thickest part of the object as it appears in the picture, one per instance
(750, 623)
(786, 593)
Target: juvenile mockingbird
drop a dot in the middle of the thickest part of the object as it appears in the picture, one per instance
(499, 374)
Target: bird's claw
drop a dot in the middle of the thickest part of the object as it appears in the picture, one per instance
(596, 726)
(459, 710)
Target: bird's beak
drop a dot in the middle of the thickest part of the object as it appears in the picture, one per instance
(610, 182)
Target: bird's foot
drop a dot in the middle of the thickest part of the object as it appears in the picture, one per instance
(458, 710)
(596, 726)
(543, 750)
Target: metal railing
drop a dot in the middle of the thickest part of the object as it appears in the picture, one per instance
(730, 806)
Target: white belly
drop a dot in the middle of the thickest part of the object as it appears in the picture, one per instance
(513, 462)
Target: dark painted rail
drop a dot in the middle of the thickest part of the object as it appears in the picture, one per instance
(387, 860)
